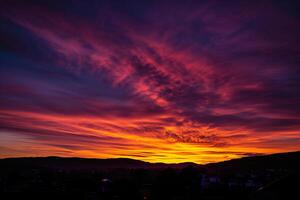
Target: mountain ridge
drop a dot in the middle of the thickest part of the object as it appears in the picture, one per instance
(289, 159)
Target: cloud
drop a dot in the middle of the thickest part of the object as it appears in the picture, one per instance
(150, 72)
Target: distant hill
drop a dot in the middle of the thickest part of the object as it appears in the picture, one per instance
(283, 160)
(85, 163)
(289, 161)
(270, 177)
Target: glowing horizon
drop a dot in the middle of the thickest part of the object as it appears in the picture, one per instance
(199, 82)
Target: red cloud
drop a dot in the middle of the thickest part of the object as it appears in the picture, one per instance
(123, 85)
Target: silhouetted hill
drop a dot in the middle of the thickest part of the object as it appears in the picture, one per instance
(289, 160)
(84, 163)
(258, 177)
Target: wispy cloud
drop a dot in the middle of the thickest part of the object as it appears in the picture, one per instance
(116, 79)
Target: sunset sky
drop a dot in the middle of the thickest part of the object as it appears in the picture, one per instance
(159, 81)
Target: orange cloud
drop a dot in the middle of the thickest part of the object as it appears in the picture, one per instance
(105, 83)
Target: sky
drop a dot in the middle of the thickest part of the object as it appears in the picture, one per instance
(158, 81)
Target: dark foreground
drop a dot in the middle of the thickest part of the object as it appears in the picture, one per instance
(263, 177)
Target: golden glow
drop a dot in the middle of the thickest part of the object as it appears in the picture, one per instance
(83, 136)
